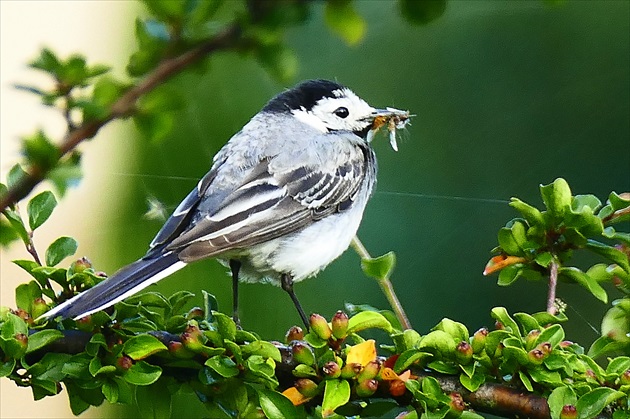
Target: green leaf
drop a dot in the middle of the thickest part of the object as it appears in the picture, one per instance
(501, 314)
(179, 300)
(557, 198)
(617, 202)
(223, 365)
(586, 281)
(611, 253)
(533, 216)
(439, 343)
(545, 318)
(618, 365)
(368, 320)
(110, 391)
(12, 326)
(141, 374)
(39, 208)
(262, 348)
(40, 151)
(6, 367)
(47, 61)
(527, 322)
(25, 294)
(559, 398)
(276, 405)
(166, 10)
(343, 19)
(616, 321)
(7, 232)
(553, 334)
(142, 346)
(225, 325)
(407, 358)
(280, 61)
(509, 274)
(15, 176)
(380, 267)
(527, 383)
(336, 394)
(472, 383)
(408, 339)
(155, 127)
(457, 330)
(18, 225)
(591, 202)
(67, 173)
(60, 249)
(422, 12)
(513, 238)
(593, 402)
(42, 338)
(154, 401)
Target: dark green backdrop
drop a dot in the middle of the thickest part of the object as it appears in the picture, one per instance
(507, 95)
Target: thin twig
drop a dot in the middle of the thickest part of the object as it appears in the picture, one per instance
(553, 283)
(386, 286)
(122, 108)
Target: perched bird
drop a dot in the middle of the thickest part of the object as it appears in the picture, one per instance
(283, 199)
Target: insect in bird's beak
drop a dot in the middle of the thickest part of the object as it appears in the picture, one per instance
(392, 118)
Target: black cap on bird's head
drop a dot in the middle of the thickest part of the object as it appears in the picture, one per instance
(304, 96)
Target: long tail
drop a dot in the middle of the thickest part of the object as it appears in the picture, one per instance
(124, 283)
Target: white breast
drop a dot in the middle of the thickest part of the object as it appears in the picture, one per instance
(306, 252)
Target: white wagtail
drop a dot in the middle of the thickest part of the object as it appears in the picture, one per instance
(283, 199)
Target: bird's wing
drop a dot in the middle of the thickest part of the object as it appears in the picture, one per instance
(272, 199)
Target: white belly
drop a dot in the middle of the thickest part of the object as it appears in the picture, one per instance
(304, 253)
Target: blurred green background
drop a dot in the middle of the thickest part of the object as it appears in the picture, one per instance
(507, 95)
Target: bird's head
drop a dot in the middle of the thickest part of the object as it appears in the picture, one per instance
(328, 106)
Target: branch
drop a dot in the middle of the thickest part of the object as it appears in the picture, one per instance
(490, 398)
(385, 284)
(122, 108)
(553, 283)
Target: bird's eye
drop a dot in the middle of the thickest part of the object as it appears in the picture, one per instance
(341, 112)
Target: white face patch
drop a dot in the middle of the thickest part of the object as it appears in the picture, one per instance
(323, 117)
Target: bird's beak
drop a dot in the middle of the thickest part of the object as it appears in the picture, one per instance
(392, 118)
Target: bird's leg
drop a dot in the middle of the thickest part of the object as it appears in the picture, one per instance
(287, 284)
(235, 266)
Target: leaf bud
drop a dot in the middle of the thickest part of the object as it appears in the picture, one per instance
(340, 325)
(545, 348)
(366, 388)
(457, 404)
(302, 353)
(624, 379)
(294, 333)
(370, 370)
(84, 324)
(22, 340)
(124, 363)
(319, 325)
(80, 265)
(479, 340)
(531, 338)
(331, 369)
(536, 356)
(195, 313)
(463, 352)
(351, 370)
(38, 307)
(178, 350)
(192, 338)
(306, 387)
(397, 388)
(568, 412)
